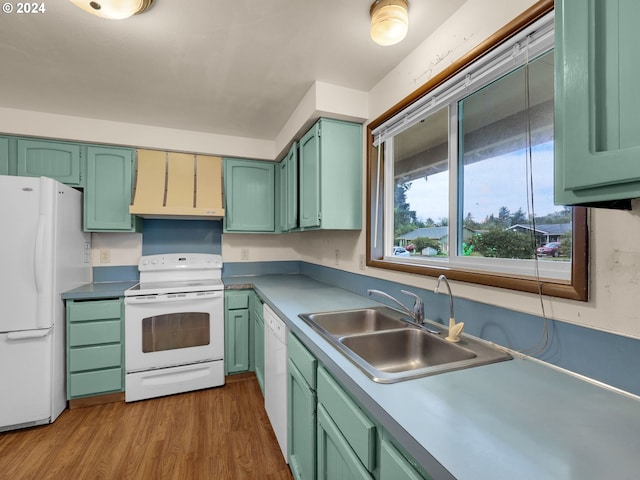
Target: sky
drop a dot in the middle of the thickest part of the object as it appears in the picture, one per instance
(489, 185)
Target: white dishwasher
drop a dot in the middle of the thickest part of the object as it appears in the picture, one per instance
(275, 375)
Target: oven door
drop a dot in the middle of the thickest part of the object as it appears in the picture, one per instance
(173, 329)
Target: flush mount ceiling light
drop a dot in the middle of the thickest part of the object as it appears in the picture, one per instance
(113, 9)
(389, 21)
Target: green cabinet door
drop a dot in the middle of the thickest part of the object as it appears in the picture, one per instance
(310, 178)
(4, 156)
(301, 424)
(237, 351)
(237, 341)
(258, 340)
(44, 158)
(292, 201)
(282, 170)
(249, 195)
(108, 189)
(287, 187)
(597, 146)
(330, 176)
(336, 460)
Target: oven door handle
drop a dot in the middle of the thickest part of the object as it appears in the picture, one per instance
(172, 297)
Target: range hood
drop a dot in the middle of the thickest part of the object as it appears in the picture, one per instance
(174, 185)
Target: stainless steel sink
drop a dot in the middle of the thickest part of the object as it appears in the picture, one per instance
(352, 322)
(402, 350)
(388, 347)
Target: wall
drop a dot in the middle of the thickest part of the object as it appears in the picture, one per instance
(614, 255)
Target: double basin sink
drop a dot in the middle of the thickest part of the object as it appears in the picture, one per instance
(389, 347)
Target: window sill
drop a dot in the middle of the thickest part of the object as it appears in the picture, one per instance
(553, 288)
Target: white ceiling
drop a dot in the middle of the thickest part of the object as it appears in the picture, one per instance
(230, 67)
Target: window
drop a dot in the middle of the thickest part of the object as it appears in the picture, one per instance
(461, 178)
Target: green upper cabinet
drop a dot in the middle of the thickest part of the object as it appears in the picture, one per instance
(108, 189)
(288, 190)
(44, 158)
(597, 152)
(310, 178)
(249, 195)
(330, 176)
(4, 156)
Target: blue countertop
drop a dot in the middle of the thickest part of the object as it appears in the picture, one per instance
(98, 290)
(516, 419)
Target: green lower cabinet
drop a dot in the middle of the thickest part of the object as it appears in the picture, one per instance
(301, 425)
(237, 352)
(95, 347)
(330, 436)
(356, 427)
(336, 459)
(394, 466)
(258, 341)
(108, 190)
(95, 383)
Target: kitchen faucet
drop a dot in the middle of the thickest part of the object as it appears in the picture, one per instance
(417, 314)
(446, 281)
(454, 328)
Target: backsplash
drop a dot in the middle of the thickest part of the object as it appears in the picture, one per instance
(596, 354)
(181, 236)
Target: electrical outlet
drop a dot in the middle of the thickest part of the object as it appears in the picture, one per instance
(361, 263)
(244, 254)
(337, 257)
(105, 256)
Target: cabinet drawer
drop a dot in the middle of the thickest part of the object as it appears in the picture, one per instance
(304, 361)
(354, 425)
(394, 465)
(91, 333)
(92, 358)
(100, 381)
(94, 310)
(237, 300)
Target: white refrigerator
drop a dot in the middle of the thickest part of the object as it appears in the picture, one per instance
(44, 253)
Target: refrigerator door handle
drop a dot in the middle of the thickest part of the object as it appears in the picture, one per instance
(26, 334)
(41, 273)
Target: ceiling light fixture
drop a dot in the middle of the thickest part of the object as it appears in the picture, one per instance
(113, 9)
(389, 21)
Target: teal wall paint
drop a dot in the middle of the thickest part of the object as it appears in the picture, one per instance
(181, 236)
(240, 269)
(123, 273)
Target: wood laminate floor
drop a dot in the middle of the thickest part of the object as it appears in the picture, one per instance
(219, 433)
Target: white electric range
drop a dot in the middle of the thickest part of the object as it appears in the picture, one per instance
(174, 326)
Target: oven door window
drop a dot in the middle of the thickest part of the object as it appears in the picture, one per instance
(175, 331)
